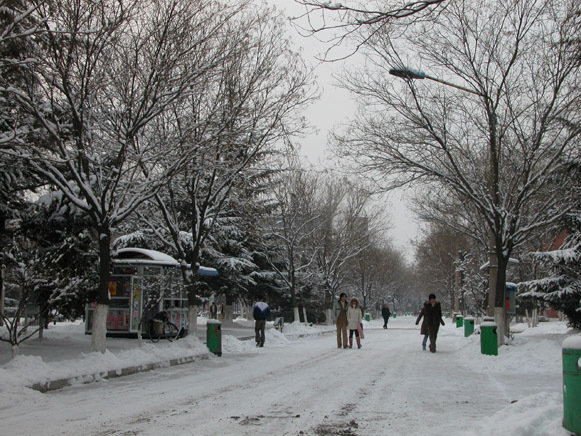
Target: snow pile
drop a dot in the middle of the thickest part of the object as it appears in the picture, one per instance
(523, 355)
(28, 370)
(300, 329)
(536, 415)
(231, 344)
(544, 328)
(533, 415)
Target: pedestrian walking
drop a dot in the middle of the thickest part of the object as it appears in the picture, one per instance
(433, 319)
(354, 317)
(386, 314)
(340, 317)
(213, 311)
(423, 328)
(261, 313)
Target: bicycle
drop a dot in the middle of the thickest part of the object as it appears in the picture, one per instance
(161, 327)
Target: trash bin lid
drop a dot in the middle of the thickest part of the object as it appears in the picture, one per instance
(488, 324)
(213, 321)
(572, 343)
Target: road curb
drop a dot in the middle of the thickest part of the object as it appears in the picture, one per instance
(53, 385)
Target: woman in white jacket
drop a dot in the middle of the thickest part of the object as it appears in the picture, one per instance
(354, 318)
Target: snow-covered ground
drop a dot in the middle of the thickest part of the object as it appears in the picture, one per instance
(298, 384)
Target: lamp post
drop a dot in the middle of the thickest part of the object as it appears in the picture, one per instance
(494, 309)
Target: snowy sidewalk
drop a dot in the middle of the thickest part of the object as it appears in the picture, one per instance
(64, 358)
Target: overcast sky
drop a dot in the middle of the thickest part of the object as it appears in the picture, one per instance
(334, 108)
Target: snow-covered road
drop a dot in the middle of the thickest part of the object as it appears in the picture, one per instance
(307, 387)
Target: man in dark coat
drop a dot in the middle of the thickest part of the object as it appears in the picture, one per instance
(260, 312)
(386, 314)
(433, 319)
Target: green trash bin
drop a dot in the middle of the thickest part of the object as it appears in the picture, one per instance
(214, 336)
(468, 327)
(459, 321)
(395, 315)
(572, 384)
(367, 317)
(488, 338)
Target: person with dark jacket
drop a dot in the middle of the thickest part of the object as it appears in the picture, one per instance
(340, 317)
(386, 314)
(261, 313)
(432, 313)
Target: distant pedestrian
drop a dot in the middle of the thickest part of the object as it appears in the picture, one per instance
(423, 328)
(386, 314)
(222, 311)
(354, 317)
(261, 313)
(213, 311)
(340, 317)
(433, 319)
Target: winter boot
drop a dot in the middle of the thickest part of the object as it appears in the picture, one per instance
(424, 347)
(350, 342)
(358, 342)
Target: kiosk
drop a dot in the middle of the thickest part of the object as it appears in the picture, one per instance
(143, 283)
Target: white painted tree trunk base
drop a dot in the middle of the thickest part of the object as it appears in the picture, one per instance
(296, 315)
(193, 320)
(99, 330)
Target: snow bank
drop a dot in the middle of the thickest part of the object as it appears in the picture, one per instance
(297, 329)
(28, 370)
(544, 328)
(536, 415)
(231, 344)
(522, 356)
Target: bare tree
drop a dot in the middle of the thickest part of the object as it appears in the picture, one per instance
(349, 225)
(103, 72)
(289, 231)
(238, 117)
(359, 21)
(520, 115)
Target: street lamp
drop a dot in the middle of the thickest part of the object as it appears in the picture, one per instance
(406, 73)
(409, 74)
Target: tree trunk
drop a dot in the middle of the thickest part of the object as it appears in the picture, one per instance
(99, 328)
(229, 315)
(305, 315)
(296, 314)
(329, 316)
(499, 301)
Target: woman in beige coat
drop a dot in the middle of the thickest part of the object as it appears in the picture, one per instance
(354, 318)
